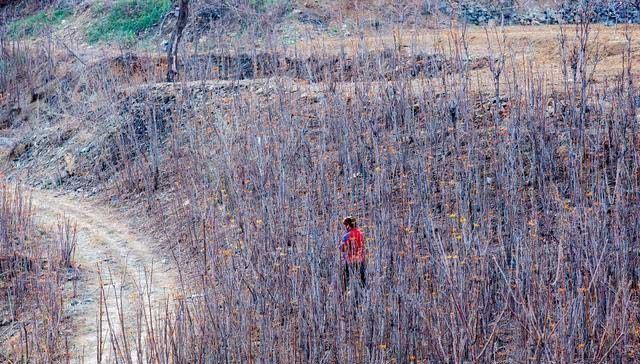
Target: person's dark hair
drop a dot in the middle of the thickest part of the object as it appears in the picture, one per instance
(349, 221)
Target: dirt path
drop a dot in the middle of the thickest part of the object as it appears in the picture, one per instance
(107, 245)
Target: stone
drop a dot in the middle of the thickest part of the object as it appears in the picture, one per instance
(312, 17)
(70, 164)
(7, 147)
(20, 149)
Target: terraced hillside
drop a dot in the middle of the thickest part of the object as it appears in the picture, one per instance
(493, 172)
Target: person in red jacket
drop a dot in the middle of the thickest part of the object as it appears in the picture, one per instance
(353, 252)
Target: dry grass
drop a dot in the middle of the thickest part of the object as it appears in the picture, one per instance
(499, 203)
(31, 280)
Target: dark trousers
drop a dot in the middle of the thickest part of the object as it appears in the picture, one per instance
(358, 270)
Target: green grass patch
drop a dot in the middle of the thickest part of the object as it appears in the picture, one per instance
(126, 19)
(35, 24)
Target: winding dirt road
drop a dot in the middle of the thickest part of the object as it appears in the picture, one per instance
(115, 261)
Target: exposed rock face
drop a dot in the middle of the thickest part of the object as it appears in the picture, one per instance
(480, 12)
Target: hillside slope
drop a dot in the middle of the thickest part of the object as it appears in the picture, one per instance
(493, 172)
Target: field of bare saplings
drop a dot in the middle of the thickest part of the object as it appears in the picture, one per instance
(501, 223)
(498, 194)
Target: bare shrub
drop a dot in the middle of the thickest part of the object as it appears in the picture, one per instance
(30, 287)
(67, 241)
(500, 215)
(500, 221)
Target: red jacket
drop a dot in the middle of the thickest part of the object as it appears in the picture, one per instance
(353, 246)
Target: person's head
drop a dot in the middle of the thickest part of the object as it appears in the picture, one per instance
(349, 222)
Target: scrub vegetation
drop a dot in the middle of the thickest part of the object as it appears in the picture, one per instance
(493, 172)
(33, 269)
(36, 24)
(126, 20)
(500, 222)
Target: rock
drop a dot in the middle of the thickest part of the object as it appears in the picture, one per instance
(210, 13)
(7, 147)
(70, 164)
(20, 149)
(312, 17)
(9, 118)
